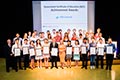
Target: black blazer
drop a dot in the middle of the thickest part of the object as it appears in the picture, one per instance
(7, 51)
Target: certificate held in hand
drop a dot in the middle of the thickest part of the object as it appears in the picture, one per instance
(38, 52)
(83, 50)
(54, 52)
(92, 50)
(17, 52)
(25, 50)
(45, 50)
(109, 50)
(69, 50)
(76, 50)
(100, 51)
(32, 52)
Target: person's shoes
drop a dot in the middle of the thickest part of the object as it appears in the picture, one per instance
(91, 67)
(16, 70)
(106, 68)
(85, 67)
(110, 69)
(56, 67)
(101, 67)
(96, 67)
(8, 71)
(40, 67)
(51, 67)
(82, 67)
(21, 68)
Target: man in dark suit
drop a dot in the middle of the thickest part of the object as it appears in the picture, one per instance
(8, 55)
(53, 45)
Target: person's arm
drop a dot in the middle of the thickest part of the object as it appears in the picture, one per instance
(114, 48)
(5, 51)
(50, 46)
(12, 50)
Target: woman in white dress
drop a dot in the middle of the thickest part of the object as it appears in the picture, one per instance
(38, 55)
(46, 53)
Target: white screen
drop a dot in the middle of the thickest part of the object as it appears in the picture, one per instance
(49, 15)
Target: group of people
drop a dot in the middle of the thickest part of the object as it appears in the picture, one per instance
(34, 49)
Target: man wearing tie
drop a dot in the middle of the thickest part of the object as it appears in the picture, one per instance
(53, 47)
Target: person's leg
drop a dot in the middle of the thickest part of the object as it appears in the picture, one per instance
(15, 64)
(97, 61)
(52, 62)
(77, 63)
(19, 58)
(32, 63)
(70, 63)
(83, 60)
(91, 61)
(101, 59)
(94, 61)
(107, 61)
(12, 62)
(45, 62)
(25, 62)
(40, 63)
(86, 61)
(7, 65)
(47, 59)
(55, 62)
(111, 61)
(67, 62)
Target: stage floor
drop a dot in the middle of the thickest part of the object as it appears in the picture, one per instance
(74, 73)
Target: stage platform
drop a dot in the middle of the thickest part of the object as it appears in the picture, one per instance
(73, 73)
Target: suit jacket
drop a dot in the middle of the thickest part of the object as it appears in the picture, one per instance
(7, 51)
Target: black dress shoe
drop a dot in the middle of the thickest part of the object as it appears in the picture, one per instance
(16, 70)
(56, 67)
(106, 68)
(21, 68)
(110, 69)
(82, 67)
(51, 67)
(101, 67)
(8, 71)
